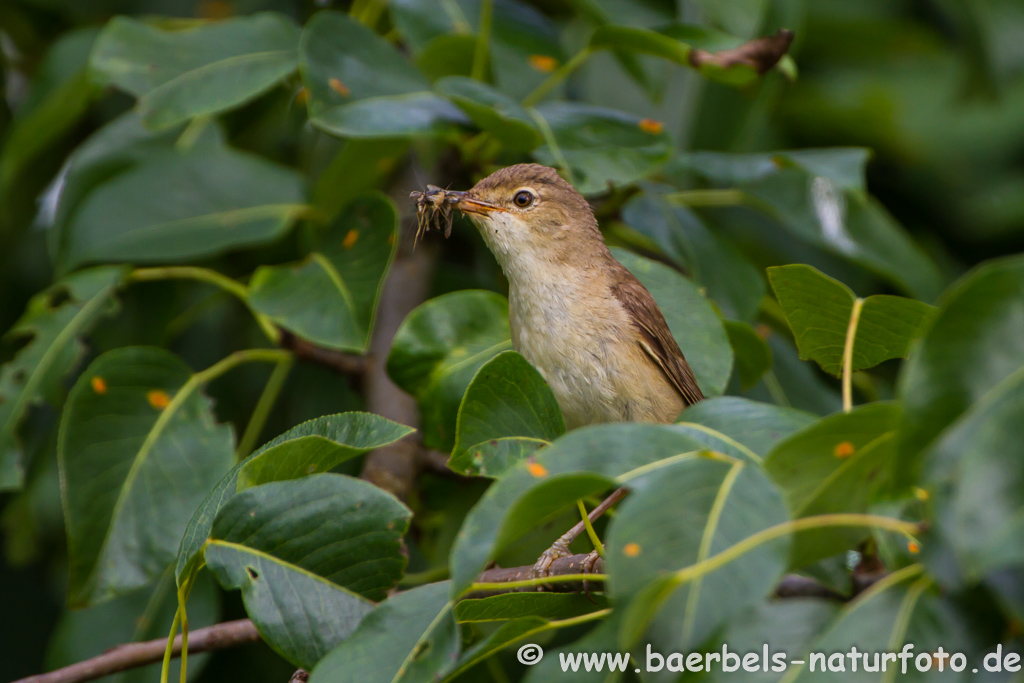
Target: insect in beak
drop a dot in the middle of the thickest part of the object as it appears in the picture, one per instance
(434, 207)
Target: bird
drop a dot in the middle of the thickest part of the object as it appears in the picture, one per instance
(590, 328)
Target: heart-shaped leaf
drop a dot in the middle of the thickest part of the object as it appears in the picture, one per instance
(139, 215)
(600, 147)
(36, 370)
(819, 309)
(411, 638)
(692, 320)
(314, 446)
(138, 449)
(507, 413)
(331, 297)
(181, 74)
(439, 348)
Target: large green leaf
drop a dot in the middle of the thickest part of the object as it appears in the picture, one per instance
(360, 86)
(331, 297)
(183, 73)
(975, 472)
(181, 206)
(740, 427)
(492, 111)
(732, 281)
(139, 449)
(691, 511)
(439, 348)
(818, 309)
(601, 146)
(37, 370)
(409, 638)
(975, 342)
(507, 413)
(302, 551)
(833, 466)
(584, 462)
(843, 166)
(692, 320)
(314, 446)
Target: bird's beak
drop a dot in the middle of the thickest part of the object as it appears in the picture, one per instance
(469, 204)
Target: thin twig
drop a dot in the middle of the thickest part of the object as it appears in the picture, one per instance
(339, 361)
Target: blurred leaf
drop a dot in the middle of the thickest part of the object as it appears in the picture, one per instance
(732, 281)
(138, 449)
(844, 166)
(742, 17)
(756, 426)
(834, 466)
(54, 324)
(601, 146)
(976, 477)
(410, 638)
(360, 166)
(974, 344)
(753, 357)
(314, 446)
(507, 412)
(360, 86)
(139, 616)
(692, 320)
(331, 297)
(515, 605)
(492, 111)
(818, 309)
(584, 462)
(447, 55)
(180, 74)
(439, 348)
(692, 510)
(182, 206)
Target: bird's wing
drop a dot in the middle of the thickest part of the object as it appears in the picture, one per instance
(655, 337)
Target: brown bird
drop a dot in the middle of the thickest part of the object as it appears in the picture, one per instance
(591, 329)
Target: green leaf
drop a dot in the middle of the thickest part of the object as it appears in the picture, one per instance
(410, 638)
(818, 309)
(54, 349)
(138, 449)
(234, 200)
(361, 86)
(492, 111)
(976, 477)
(752, 353)
(601, 146)
(843, 166)
(832, 466)
(692, 510)
(359, 167)
(515, 605)
(439, 348)
(742, 17)
(447, 55)
(331, 297)
(507, 413)
(732, 281)
(314, 446)
(740, 427)
(692, 320)
(583, 462)
(139, 616)
(974, 343)
(184, 73)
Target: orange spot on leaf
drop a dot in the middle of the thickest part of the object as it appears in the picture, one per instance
(631, 549)
(99, 385)
(913, 547)
(350, 238)
(920, 494)
(763, 331)
(537, 470)
(158, 399)
(543, 63)
(339, 87)
(844, 449)
(651, 126)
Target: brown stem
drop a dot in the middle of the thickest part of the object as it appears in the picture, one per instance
(134, 655)
(339, 361)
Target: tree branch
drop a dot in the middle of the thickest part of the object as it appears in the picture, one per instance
(339, 361)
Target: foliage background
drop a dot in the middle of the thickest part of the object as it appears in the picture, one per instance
(933, 88)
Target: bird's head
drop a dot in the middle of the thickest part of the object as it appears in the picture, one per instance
(528, 212)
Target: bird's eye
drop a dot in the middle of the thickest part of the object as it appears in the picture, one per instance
(523, 199)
